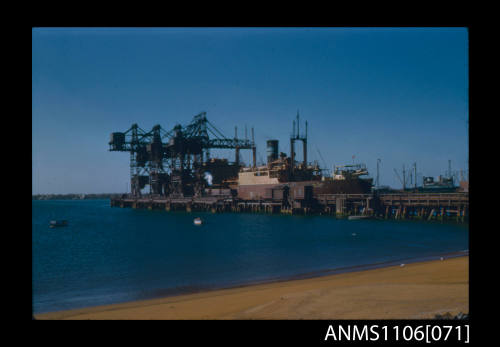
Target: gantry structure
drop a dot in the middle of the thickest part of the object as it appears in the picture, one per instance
(175, 162)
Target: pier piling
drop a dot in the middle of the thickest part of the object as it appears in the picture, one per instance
(450, 206)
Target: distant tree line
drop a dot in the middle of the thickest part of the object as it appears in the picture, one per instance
(75, 196)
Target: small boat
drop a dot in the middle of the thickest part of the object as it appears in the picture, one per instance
(58, 223)
(197, 221)
(359, 217)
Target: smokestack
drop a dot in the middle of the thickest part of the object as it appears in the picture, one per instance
(272, 150)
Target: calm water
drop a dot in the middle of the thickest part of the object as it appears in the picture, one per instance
(109, 255)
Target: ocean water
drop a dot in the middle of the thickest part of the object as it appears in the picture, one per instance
(108, 255)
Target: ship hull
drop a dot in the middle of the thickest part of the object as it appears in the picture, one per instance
(348, 186)
(261, 191)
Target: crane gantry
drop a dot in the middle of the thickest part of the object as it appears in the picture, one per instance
(173, 162)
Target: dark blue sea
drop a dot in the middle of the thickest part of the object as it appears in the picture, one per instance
(108, 255)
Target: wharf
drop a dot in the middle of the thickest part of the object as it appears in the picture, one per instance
(424, 206)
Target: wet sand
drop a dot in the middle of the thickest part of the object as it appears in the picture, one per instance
(414, 291)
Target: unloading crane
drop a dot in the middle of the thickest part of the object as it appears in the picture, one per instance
(173, 162)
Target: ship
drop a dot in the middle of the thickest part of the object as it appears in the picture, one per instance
(347, 179)
(283, 175)
(302, 181)
(442, 185)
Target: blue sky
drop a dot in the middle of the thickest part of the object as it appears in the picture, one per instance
(398, 94)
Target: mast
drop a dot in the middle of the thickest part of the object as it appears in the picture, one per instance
(304, 142)
(378, 173)
(415, 167)
(404, 178)
(254, 151)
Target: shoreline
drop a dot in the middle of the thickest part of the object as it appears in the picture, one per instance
(239, 301)
(172, 292)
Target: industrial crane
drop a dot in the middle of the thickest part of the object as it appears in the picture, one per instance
(173, 162)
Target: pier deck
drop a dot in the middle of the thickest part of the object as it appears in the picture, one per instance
(426, 206)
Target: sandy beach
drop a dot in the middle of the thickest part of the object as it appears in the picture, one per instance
(414, 291)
